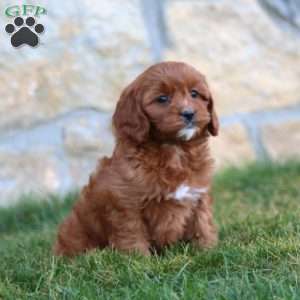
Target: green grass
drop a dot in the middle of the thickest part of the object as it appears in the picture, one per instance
(258, 257)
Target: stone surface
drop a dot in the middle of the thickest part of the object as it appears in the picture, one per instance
(250, 62)
(282, 140)
(88, 53)
(231, 147)
(40, 172)
(57, 156)
(56, 100)
(82, 166)
(284, 11)
(86, 134)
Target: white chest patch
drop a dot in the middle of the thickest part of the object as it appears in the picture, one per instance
(185, 192)
(187, 133)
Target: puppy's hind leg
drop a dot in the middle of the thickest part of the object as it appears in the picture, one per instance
(72, 239)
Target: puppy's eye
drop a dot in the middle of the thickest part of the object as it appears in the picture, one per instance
(163, 99)
(194, 94)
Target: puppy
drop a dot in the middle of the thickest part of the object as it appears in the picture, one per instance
(154, 190)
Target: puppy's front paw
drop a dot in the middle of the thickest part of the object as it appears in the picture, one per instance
(207, 242)
(131, 247)
(139, 251)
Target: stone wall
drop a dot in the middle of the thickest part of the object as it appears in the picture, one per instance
(57, 99)
(252, 62)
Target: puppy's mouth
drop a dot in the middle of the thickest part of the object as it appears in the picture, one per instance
(191, 124)
(188, 132)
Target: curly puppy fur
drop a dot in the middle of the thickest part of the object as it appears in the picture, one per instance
(154, 190)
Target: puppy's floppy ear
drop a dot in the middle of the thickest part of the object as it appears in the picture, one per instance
(213, 126)
(129, 119)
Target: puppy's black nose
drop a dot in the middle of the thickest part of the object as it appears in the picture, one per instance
(188, 115)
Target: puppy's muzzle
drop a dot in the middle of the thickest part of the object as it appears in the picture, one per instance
(188, 115)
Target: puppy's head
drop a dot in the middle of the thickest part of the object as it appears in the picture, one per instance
(169, 101)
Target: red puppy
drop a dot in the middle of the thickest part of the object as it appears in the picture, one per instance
(154, 190)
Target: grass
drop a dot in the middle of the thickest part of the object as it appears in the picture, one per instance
(258, 257)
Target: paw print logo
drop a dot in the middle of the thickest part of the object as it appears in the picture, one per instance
(24, 33)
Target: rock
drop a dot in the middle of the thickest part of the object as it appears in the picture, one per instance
(87, 134)
(57, 99)
(231, 147)
(39, 172)
(282, 140)
(88, 53)
(251, 64)
(285, 11)
(54, 157)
